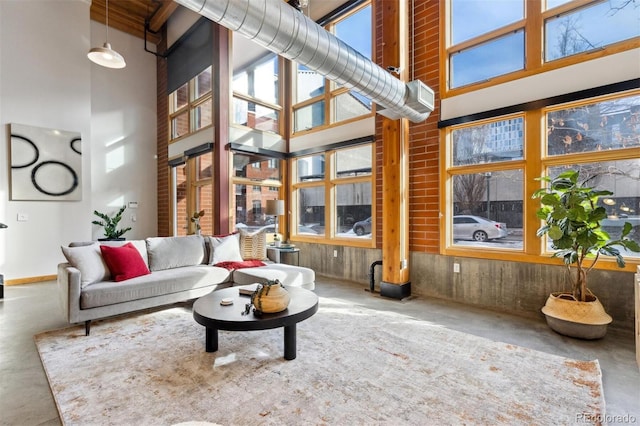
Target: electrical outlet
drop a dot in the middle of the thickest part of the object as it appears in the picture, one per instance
(456, 267)
(335, 253)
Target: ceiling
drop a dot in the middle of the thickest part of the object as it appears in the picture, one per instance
(130, 16)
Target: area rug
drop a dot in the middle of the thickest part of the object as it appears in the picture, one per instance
(354, 366)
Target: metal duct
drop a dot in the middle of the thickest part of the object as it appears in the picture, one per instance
(280, 28)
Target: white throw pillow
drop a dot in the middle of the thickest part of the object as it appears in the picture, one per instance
(225, 249)
(88, 260)
(175, 252)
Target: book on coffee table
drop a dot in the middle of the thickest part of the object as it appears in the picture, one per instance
(248, 290)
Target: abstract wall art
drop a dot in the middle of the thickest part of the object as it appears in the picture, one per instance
(46, 164)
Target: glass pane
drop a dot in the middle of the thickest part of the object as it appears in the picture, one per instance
(204, 166)
(354, 161)
(555, 3)
(590, 28)
(308, 117)
(204, 201)
(623, 179)
(202, 83)
(180, 215)
(309, 84)
(311, 211)
(485, 61)
(203, 115)
(349, 105)
(256, 169)
(360, 39)
(310, 168)
(489, 143)
(471, 18)
(259, 81)
(613, 124)
(487, 209)
(250, 205)
(353, 215)
(180, 125)
(179, 98)
(255, 116)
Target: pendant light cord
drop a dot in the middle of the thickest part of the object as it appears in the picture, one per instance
(107, 35)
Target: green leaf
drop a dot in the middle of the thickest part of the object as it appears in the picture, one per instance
(555, 233)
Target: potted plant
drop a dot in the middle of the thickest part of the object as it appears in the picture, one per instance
(573, 224)
(196, 220)
(110, 225)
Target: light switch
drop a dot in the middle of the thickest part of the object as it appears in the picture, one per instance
(23, 217)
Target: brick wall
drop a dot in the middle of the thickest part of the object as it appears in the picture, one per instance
(164, 220)
(424, 172)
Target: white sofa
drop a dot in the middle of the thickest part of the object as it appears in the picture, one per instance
(177, 269)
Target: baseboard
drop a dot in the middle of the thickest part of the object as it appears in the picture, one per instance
(395, 291)
(30, 280)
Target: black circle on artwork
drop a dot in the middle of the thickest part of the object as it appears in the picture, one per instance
(36, 153)
(74, 185)
(73, 147)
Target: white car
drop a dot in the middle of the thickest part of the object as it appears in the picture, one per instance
(476, 228)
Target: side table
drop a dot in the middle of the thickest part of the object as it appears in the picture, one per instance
(276, 253)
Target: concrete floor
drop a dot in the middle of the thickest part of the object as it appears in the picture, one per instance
(25, 398)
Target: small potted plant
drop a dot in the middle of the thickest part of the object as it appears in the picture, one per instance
(110, 225)
(573, 225)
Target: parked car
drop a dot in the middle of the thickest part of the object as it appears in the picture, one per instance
(363, 227)
(476, 228)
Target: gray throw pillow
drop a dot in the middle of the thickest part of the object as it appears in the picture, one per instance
(175, 252)
(88, 260)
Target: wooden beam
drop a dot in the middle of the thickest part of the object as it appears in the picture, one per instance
(395, 168)
(162, 15)
(222, 77)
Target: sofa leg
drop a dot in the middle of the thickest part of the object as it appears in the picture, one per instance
(87, 327)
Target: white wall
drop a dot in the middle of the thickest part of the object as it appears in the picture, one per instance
(123, 135)
(47, 81)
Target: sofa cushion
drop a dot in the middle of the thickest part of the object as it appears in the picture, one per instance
(140, 245)
(289, 275)
(158, 283)
(175, 252)
(124, 262)
(253, 245)
(88, 260)
(225, 248)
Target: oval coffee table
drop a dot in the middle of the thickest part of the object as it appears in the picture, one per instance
(208, 311)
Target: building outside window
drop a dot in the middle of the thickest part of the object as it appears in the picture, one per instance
(333, 194)
(251, 188)
(490, 161)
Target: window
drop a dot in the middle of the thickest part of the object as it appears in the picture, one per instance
(487, 183)
(318, 102)
(255, 180)
(190, 106)
(333, 194)
(192, 191)
(491, 166)
(256, 95)
(484, 43)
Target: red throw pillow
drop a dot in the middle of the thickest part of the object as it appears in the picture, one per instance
(124, 262)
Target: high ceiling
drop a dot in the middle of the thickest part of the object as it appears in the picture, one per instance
(130, 16)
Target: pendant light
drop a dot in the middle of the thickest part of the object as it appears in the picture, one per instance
(105, 55)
